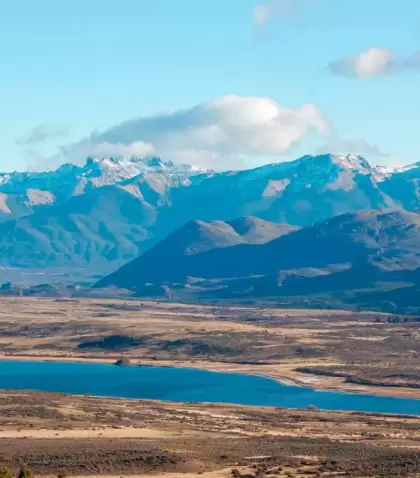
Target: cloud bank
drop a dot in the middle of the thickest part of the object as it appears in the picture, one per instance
(218, 134)
(373, 63)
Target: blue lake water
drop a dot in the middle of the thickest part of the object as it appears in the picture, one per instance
(186, 385)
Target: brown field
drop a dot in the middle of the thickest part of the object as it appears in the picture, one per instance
(361, 352)
(86, 436)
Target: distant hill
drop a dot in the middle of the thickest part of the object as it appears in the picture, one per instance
(194, 239)
(343, 254)
(200, 236)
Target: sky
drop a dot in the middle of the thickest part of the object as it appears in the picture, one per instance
(220, 84)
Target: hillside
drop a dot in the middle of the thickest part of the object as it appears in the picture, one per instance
(195, 238)
(348, 252)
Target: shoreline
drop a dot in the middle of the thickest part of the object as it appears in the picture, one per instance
(287, 376)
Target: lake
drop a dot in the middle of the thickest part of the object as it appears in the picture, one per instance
(186, 385)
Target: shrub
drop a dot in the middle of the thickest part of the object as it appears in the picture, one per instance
(25, 472)
(5, 471)
(123, 361)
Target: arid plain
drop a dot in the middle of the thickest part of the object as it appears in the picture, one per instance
(361, 352)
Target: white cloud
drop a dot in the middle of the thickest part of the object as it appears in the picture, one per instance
(87, 147)
(222, 131)
(262, 15)
(264, 12)
(373, 63)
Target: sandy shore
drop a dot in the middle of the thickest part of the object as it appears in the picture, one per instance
(284, 373)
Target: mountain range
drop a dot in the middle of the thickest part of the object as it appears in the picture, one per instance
(330, 229)
(100, 214)
(110, 210)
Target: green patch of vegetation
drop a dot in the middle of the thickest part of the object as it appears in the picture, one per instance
(123, 362)
(5, 471)
(114, 342)
(25, 472)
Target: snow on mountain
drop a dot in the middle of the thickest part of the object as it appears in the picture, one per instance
(97, 171)
(24, 191)
(135, 165)
(353, 163)
(303, 191)
(114, 169)
(120, 206)
(382, 173)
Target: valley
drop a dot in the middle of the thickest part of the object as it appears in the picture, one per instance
(332, 350)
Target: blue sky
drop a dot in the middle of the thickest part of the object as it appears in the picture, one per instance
(73, 68)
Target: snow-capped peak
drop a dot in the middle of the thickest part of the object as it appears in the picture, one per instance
(382, 172)
(352, 162)
(70, 179)
(104, 171)
(134, 165)
(408, 167)
(4, 177)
